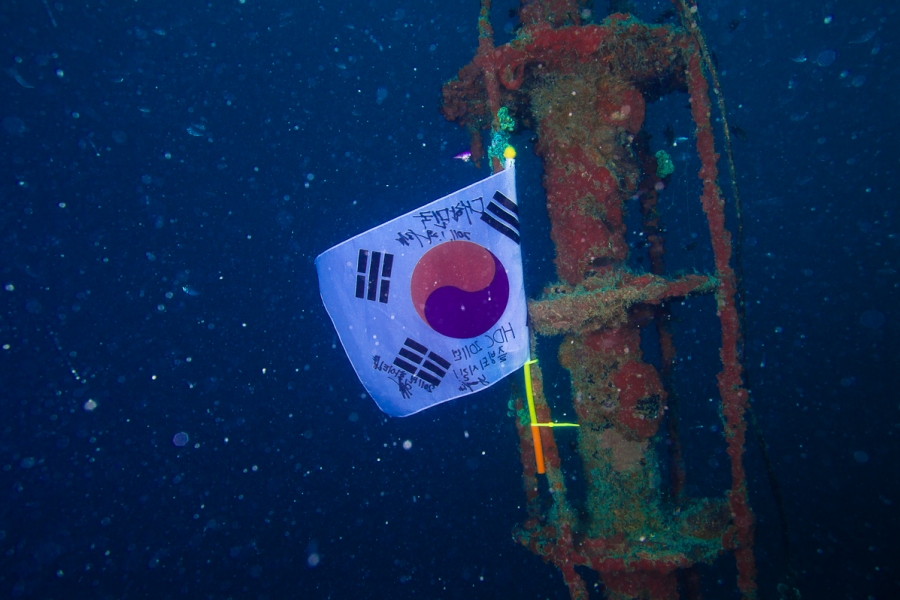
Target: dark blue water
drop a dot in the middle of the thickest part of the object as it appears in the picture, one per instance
(170, 172)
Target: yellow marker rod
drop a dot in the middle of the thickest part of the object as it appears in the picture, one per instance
(535, 432)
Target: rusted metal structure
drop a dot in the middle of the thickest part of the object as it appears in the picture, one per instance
(583, 87)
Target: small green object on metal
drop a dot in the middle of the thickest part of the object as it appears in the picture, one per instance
(664, 164)
(499, 142)
(506, 122)
(500, 138)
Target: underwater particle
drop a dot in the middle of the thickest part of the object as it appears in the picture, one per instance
(14, 125)
(864, 37)
(872, 319)
(15, 75)
(90, 405)
(664, 164)
(860, 457)
(669, 134)
(826, 58)
(407, 445)
(381, 95)
(180, 439)
(739, 133)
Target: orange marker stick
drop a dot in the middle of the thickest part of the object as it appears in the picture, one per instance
(538, 448)
(535, 432)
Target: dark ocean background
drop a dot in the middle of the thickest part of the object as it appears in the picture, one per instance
(170, 170)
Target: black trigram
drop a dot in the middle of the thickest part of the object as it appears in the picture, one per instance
(368, 266)
(417, 360)
(503, 215)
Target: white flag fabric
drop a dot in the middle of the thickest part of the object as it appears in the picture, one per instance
(431, 306)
